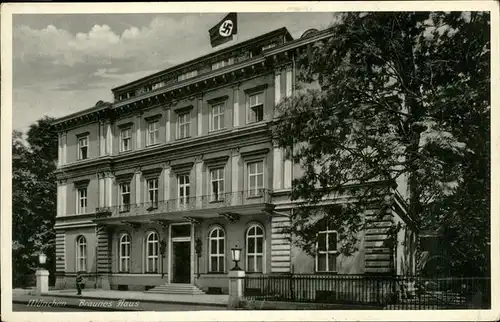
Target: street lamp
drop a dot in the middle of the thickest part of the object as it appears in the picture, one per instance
(42, 258)
(236, 254)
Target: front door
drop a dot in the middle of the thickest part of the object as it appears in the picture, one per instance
(181, 264)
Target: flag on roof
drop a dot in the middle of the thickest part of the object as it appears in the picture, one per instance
(224, 30)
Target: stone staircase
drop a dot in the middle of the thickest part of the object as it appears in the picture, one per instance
(174, 288)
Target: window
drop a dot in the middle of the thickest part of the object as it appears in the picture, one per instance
(217, 117)
(256, 108)
(83, 148)
(82, 201)
(255, 178)
(152, 192)
(223, 63)
(184, 127)
(158, 85)
(255, 249)
(217, 184)
(125, 253)
(153, 132)
(183, 183)
(217, 250)
(187, 75)
(125, 197)
(125, 136)
(81, 254)
(326, 246)
(152, 250)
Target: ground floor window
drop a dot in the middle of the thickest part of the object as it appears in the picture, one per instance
(217, 250)
(152, 250)
(81, 254)
(326, 249)
(125, 253)
(255, 249)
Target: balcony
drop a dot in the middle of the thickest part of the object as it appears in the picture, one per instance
(240, 202)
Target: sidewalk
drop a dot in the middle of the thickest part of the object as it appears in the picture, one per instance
(125, 300)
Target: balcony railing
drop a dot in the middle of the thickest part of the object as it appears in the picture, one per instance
(215, 201)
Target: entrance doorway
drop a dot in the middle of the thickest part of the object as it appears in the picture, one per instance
(181, 264)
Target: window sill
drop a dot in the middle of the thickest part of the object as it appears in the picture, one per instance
(180, 139)
(152, 144)
(125, 151)
(325, 273)
(217, 201)
(218, 130)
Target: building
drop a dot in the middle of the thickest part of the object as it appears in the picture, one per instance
(158, 186)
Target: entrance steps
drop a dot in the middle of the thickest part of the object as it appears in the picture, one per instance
(176, 288)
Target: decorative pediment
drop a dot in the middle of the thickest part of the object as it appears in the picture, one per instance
(183, 109)
(153, 117)
(216, 100)
(81, 183)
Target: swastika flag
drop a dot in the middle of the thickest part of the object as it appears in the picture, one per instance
(224, 30)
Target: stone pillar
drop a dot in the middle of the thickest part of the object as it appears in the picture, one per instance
(277, 168)
(102, 190)
(138, 198)
(59, 149)
(199, 182)
(138, 132)
(237, 194)
(109, 139)
(236, 279)
(288, 87)
(64, 189)
(167, 125)
(64, 148)
(59, 199)
(236, 107)
(109, 189)
(102, 139)
(287, 175)
(277, 88)
(42, 281)
(166, 183)
(199, 118)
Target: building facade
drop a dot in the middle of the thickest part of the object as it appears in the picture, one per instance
(158, 186)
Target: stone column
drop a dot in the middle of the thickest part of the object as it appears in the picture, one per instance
(166, 183)
(236, 279)
(102, 139)
(42, 281)
(109, 139)
(138, 132)
(59, 149)
(102, 189)
(64, 188)
(109, 189)
(167, 125)
(59, 199)
(277, 168)
(287, 176)
(236, 107)
(199, 118)
(288, 80)
(237, 194)
(138, 174)
(277, 87)
(64, 148)
(199, 182)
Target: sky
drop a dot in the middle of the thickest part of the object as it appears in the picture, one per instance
(64, 63)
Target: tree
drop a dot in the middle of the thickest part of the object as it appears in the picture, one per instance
(34, 197)
(401, 97)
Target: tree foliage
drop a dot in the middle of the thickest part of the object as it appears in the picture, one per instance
(401, 97)
(34, 196)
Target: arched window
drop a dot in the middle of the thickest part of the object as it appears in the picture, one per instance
(217, 250)
(124, 253)
(81, 254)
(255, 249)
(152, 247)
(326, 248)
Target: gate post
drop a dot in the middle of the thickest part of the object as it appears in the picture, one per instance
(236, 279)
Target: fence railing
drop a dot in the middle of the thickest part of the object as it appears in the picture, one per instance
(389, 292)
(214, 201)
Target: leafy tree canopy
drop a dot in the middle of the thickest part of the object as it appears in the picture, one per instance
(401, 97)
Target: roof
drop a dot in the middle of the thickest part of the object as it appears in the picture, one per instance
(276, 32)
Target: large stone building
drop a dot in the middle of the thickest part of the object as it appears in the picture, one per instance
(156, 188)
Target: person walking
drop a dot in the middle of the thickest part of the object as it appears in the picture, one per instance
(79, 283)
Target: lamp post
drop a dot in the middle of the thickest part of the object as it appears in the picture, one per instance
(42, 275)
(236, 255)
(236, 278)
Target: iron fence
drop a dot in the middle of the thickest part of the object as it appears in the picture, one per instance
(387, 292)
(213, 201)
